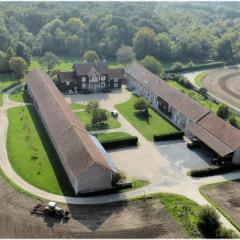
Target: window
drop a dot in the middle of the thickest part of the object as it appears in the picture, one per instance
(115, 79)
(115, 85)
(83, 79)
(103, 84)
(67, 83)
(103, 78)
(83, 85)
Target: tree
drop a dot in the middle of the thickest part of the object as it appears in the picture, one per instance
(92, 106)
(99, 115)
(233, 122)
(177, 66)
(145, 42)
(208, 222)
(141, 104)
(3, 62)
(23, 51)
(125, 55)
(50, 60)
(153, 65)
(75, 26)
(91, 57)
(223, 111)
(18, 66)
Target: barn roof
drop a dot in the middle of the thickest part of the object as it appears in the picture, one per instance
(175, 98)
(77, 149)
(86, 68)
(116, 73)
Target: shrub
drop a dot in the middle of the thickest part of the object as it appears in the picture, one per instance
(168, 136)
(177, 66)
(223, 232)
(233, 122)
(120, 142)
(203, 90)
(208, 222)
(223, 111)
(118, 177)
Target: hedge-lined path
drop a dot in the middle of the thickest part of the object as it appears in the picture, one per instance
(184, 185)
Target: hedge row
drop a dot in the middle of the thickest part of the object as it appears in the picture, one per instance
(168, 136)
(213, 170)
(120, 142)
(198, 67)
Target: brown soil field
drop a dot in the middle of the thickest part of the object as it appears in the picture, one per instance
(227, 197)
(138, 219)
(225, 84)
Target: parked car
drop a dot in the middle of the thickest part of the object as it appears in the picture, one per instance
(106, 90)
(193, 144)
(114, 114)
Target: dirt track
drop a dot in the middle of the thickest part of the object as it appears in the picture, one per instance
(225, 84)
(142, 219)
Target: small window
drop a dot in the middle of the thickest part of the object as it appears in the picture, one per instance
(83, 79)
(83, 85)
(115, 79)
(67, 83)
(103, 78)
(115, 85)
(103, 84)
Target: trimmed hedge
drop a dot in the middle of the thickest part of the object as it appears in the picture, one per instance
(213, 170)
(168, 136)
(120, 142)
(198, 67)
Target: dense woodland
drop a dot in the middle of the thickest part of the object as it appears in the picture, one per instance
(170, 32)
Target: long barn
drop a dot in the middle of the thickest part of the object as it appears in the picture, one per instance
(88, 166)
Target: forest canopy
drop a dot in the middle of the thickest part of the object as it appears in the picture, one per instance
(171, 32)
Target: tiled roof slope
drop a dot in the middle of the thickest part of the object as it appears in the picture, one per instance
(178, 100)
(77, 149)
(86, 68)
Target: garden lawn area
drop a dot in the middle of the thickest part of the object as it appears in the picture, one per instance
(1, 99)
(32, 154)
(6, 80)
(154, 124)
(137, 183)
(19, 95)
(194, 95)
(198, 79)
(112, 136)
(86, 120)
(66, 63)
(76, 106)
(184, 210)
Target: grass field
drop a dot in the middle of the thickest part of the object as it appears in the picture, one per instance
(112, 136)
(5, 81)
(155, 124)
(76, 106)
(195, 96)
(32, 154)
(198, 79)
(86, 120)
(184, 210)
(19, 95)
(66, 64)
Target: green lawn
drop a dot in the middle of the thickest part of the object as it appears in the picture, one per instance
(184, 210)
(76, 106)
(86, 120)
(195, 96)
(6, 80)
(31, 152)
(66, 63)
(19, 95)
(198, 79)
(155, 124)
(1, 99)
(112, 136)
(137, 183)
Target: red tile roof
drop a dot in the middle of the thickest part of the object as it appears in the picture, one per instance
(78, 152)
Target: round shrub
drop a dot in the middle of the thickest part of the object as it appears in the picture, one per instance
(223, 232)
(208, 222)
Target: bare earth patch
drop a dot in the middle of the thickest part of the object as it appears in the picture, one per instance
(226, 197)
(140, 219)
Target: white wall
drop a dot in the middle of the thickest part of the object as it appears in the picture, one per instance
(236, 157)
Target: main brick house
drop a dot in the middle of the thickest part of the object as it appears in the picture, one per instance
(88, 166)
(186, 114)
(90, 77)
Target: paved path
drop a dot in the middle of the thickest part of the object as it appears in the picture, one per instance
(181, 184)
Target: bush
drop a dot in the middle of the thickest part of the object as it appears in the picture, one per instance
(208, 222)
(213, 170)
(120, 142)
(118, 177)
(168, 136)
(223, 232)
(223, 111)
(177, 66)
(233, 122)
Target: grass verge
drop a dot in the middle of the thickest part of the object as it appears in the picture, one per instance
(112, 136)
(153, 125)
(19, 95)
(1, 99)
(184, 210)
(204, 188)
(137, 183)
(6, 80)
(76, 106)
(86, 120)
(198, 79)
(32, 154)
